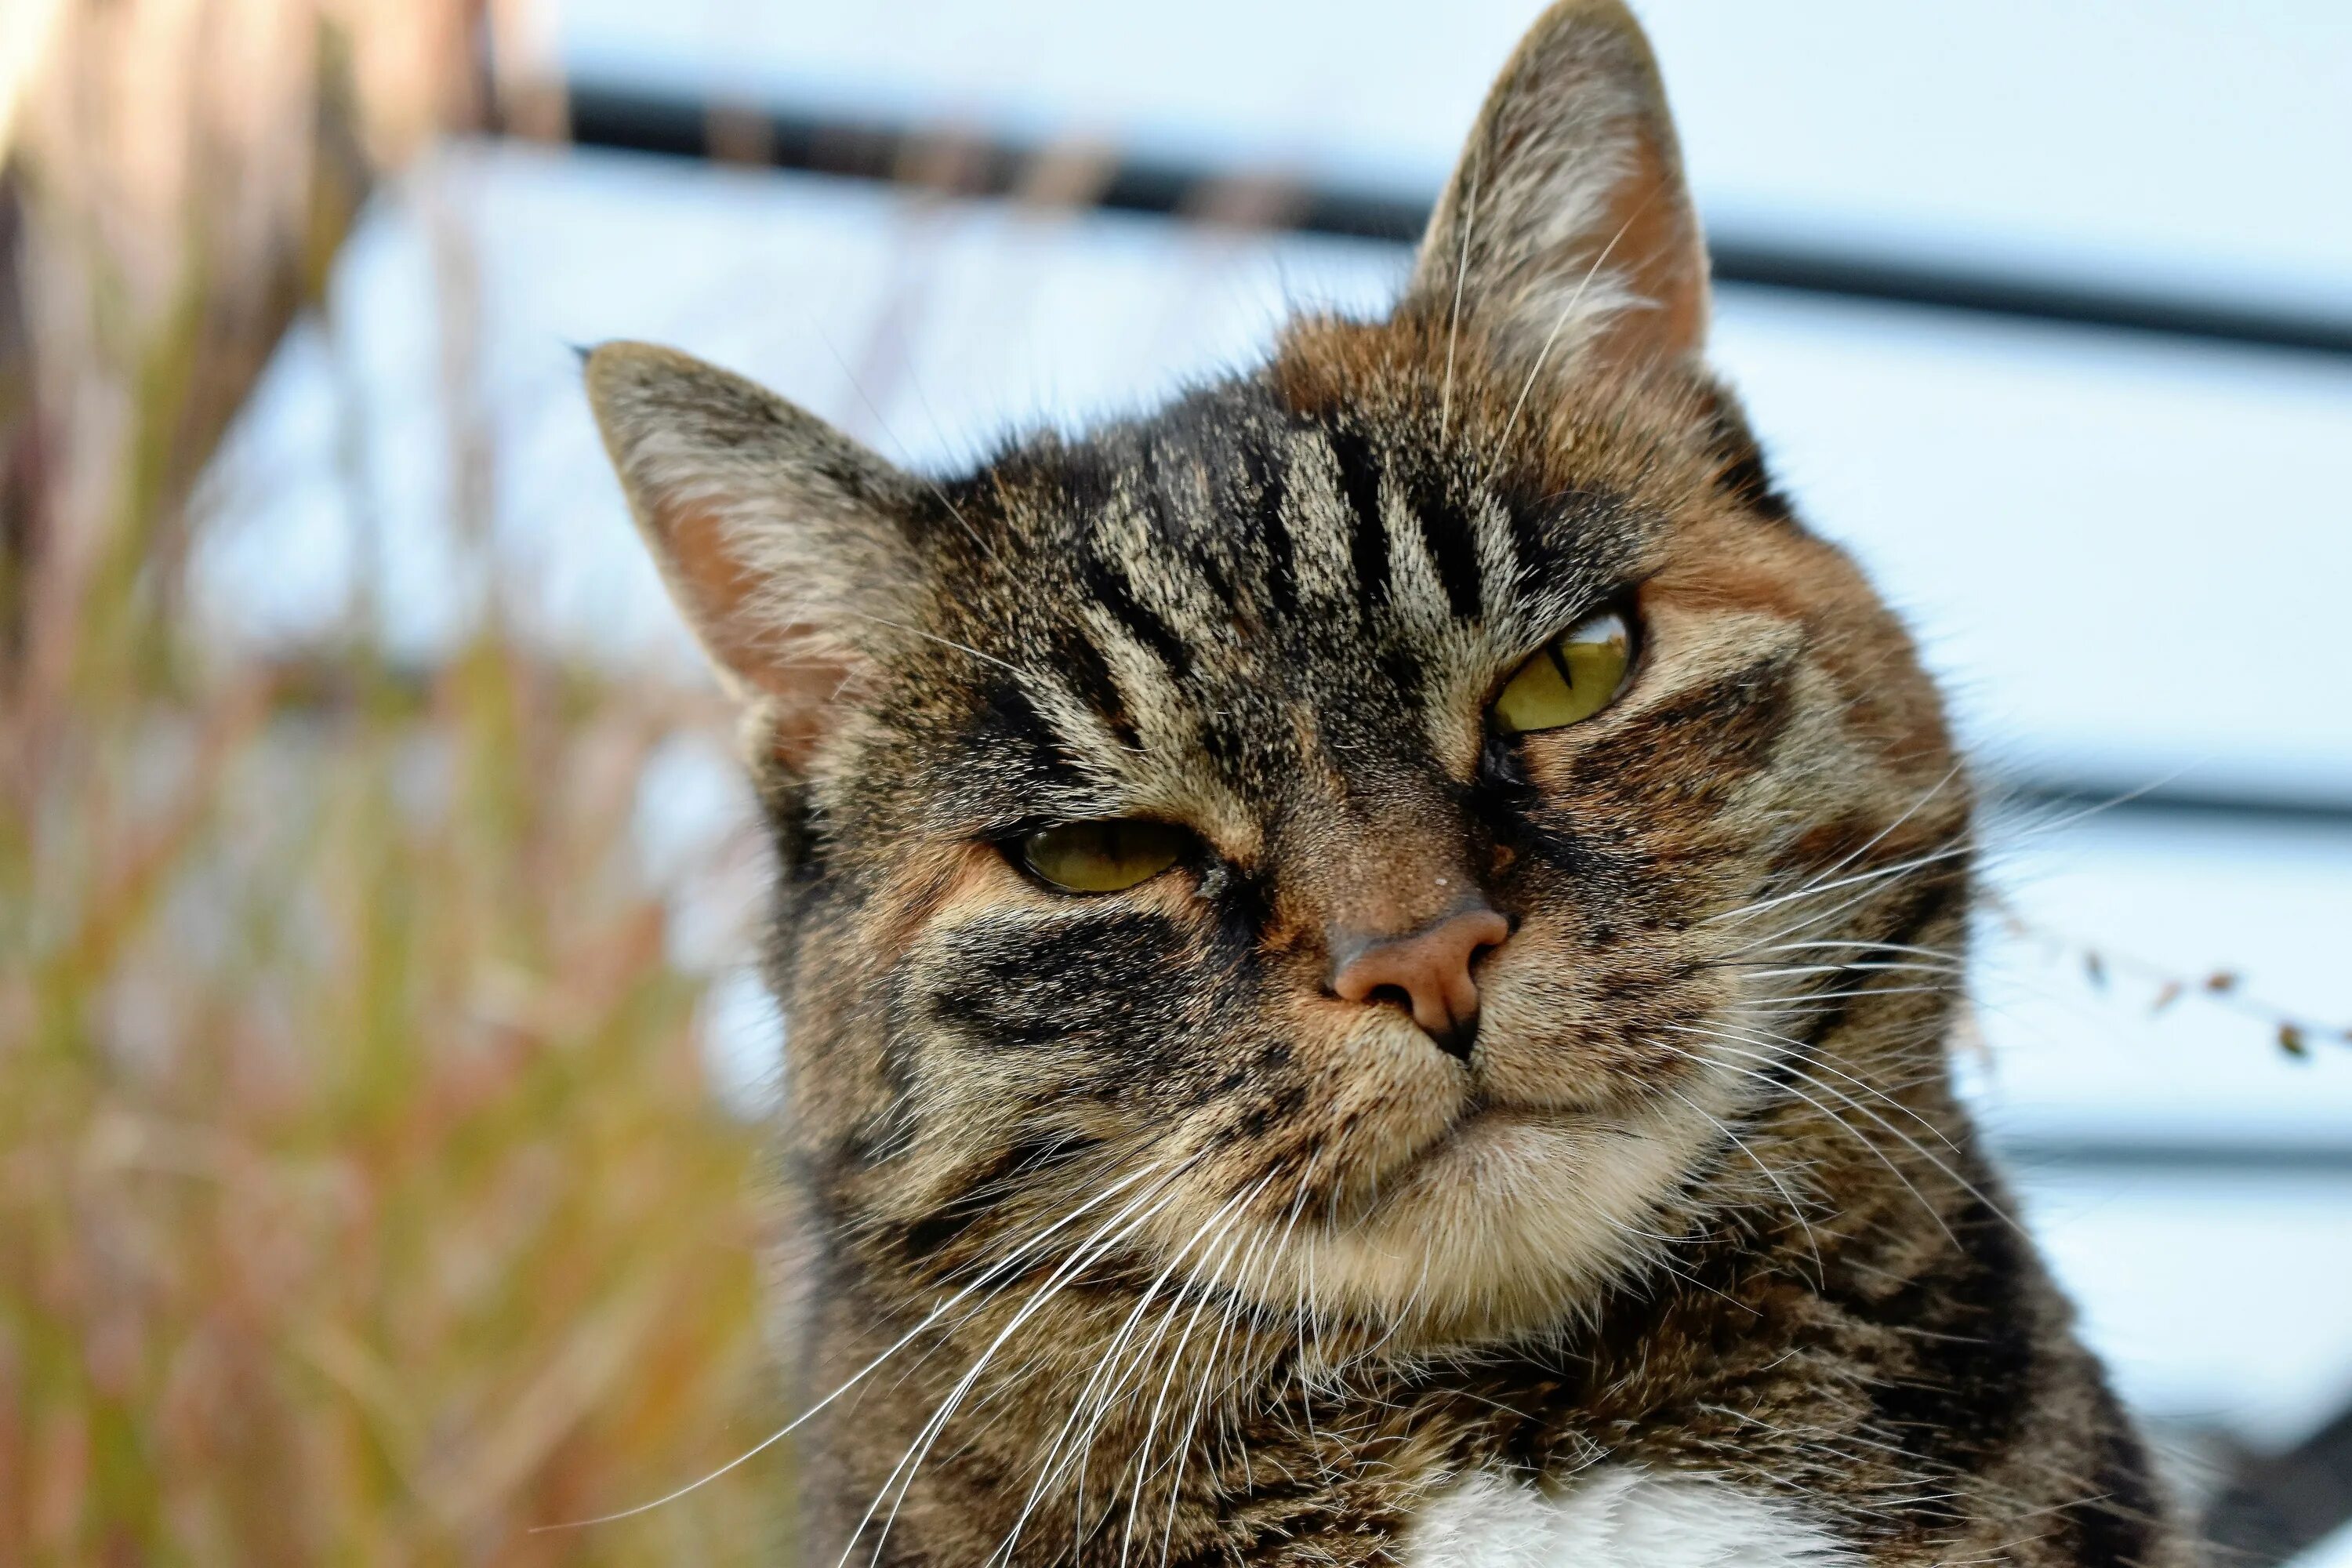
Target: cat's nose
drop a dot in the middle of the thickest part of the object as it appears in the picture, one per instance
(1428, 973)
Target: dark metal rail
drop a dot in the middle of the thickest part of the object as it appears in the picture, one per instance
(977, 164)
(2278, 1505)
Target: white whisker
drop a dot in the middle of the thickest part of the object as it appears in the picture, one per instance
(1453, 317)
(786, 1430)
(1084, 1257)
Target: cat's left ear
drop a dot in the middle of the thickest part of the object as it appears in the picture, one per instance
(782, 539)
(1567, 226)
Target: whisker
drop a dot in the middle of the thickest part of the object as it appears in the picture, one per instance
(1875, 839)
(1104, 1370)
(1880, 1154)
(1799, 1049)
(1789, 971)
(1866, 880)
(1786, 1065)
(1453, 317)
(1796, 1209)
(1231, 1309)
(1567, 313)
(786, 1430)
(1204, 1294)
(946, 642)
(1088, 1252)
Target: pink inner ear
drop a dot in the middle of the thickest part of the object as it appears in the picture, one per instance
(1662, 258)
(764, 659)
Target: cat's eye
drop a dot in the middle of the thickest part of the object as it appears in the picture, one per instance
(1572, 678)
(1103, 857)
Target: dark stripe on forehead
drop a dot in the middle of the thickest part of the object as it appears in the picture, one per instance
(1268, 486)
(1008, 713)
(1447, 529)
(1150, 493)
(1368, 539)
(1530, 546)
(1081, 666)
(1570, 529)
(1225, 742)
(1211, 561)
(1109, 587)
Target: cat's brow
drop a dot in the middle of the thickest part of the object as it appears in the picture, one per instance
(1200, 591)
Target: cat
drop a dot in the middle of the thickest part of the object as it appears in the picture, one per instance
(1369, 956)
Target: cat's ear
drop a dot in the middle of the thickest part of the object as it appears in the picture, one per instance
(779, 538)
(1566, 224)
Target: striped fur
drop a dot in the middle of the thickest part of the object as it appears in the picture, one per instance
(1161, 1248)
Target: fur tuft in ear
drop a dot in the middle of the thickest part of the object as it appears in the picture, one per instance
(781, 539)
(1566, 229)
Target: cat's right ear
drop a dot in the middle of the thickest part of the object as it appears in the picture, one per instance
(780, 537)
(1567, 226)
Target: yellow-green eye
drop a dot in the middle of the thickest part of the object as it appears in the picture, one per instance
(1103, 857)
(1573, 679)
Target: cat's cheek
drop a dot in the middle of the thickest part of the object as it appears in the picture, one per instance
(1106, 981)
(1320, 1116)
(936, 885)
(1365, 1090)
(1565, 1027)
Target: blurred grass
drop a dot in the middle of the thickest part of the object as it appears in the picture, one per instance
(362, 1197)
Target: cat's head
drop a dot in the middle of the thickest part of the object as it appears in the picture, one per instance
(1368, 836)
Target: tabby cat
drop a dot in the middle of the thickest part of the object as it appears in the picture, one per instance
(1369, 956)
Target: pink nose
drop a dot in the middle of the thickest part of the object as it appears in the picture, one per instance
(1426, 972)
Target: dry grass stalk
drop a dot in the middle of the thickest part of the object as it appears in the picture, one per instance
(361, 1198)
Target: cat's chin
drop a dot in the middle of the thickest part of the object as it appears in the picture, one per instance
(1513, 1221)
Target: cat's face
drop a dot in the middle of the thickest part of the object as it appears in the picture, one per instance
(1206, 852)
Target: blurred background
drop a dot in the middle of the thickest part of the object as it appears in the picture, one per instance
(382, 1169)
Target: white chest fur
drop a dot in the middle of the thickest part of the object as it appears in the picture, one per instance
(1615, 1517)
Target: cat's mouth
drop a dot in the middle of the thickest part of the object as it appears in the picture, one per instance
(1496, 1220)
(1491, 1141)
(1539, 1107)
(1487, 1126)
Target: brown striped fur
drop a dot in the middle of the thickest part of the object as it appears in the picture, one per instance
(1189, 1256)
